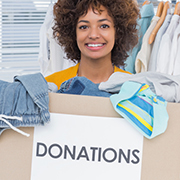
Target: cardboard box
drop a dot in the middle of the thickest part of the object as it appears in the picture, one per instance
(161, 155)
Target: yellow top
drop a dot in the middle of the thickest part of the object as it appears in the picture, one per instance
(59, 77)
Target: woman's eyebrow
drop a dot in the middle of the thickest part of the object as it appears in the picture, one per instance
(101, 20)
(84, 21)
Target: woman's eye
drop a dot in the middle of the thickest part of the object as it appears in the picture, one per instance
(83, 27)
(104, 26)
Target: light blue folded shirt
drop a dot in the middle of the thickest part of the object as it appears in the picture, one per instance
(147, 13)
(141, 108)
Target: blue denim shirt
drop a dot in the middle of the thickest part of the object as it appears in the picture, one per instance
(27, 99)
(82, 86)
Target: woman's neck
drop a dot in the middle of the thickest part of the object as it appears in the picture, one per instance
(96, 71)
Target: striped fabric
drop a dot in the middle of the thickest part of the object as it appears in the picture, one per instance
(139, 111)
(137, 103)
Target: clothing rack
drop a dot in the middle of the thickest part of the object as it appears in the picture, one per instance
(156, 3)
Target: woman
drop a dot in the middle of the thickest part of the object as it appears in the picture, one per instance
(95, 33)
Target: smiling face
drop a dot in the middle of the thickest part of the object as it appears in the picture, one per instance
(95, 35)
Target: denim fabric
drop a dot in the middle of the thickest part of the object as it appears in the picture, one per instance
(26, 97)
(82, 86)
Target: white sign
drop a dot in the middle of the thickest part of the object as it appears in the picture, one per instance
(86, 148)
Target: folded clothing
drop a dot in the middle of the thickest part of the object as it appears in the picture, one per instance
(142, 108)
(24, 102)
(164, 85)
(82, 86)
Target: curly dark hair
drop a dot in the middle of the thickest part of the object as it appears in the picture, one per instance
(123, 12)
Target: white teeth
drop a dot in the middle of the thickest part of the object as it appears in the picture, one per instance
(95, 45)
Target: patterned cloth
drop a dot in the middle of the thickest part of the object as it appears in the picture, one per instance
(142, 108)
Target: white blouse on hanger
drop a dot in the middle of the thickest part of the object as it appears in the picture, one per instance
(153, 58)
(143, 56)
(51, 55)
(176, 42)
(44, 56)
(164, 63)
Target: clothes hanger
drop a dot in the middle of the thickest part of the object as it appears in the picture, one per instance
(160, 22)
(146, 2)
(160, 9)
(177, 8)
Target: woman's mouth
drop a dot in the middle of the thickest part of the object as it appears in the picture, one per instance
(96, 46)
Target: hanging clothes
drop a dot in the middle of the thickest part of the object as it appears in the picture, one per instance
(161, 12)
(58, 59)
(143, 56)
(155, 48)
(174, 55)
(147, 13)
(44, 56)
(56, 53)
(164, 63)
(51, 54)
(177, 60)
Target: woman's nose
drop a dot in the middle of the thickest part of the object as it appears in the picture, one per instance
(94, 33)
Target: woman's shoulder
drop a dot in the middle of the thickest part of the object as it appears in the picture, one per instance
(59, 77)
(116, 69)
